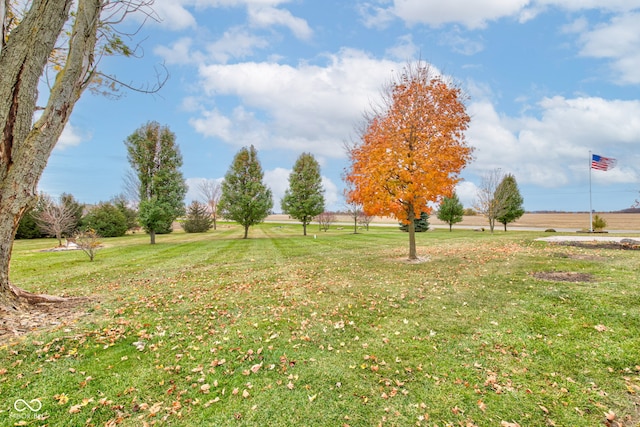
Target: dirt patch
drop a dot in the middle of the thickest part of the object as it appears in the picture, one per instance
(563, 276)
(622, 245)
(41, 317)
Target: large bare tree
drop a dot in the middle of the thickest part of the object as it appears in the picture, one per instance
(60, 42)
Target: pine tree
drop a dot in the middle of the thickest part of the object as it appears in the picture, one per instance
(451, 210)
(198, 220)
(510, 200)
(245, 198)
(304, 199)
(420, 224)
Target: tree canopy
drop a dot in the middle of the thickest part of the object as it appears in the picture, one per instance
(155, 157)
(304, 199)
(411, 148)
(245, 198)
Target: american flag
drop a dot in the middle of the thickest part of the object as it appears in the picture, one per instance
(602, 163)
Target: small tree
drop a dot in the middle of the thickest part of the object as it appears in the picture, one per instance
(325, 219)
(304, 198)
(211, 191)
(451, 210)
(420, 224)
(486, 203)
(198, 218)
(245, 198)
(364, 220)
(106, 220)
(509, 196)
(56, 219)
(89, 242)
(599, 223)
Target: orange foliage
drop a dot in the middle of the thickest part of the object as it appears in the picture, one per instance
(411, 152)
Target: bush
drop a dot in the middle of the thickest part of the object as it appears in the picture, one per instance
(106, 220)
(421, 224)
(598, 223)
(198, 218)
(28, 227)
(470, 212)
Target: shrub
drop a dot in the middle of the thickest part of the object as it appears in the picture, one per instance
(598, 223)
(198, 218)
(106, 220)
(89, 242)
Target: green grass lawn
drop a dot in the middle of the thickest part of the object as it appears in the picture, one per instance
(286, 330)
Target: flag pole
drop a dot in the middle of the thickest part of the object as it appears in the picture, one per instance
(590, 203)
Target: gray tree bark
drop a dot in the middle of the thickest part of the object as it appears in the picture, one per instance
(25, 145)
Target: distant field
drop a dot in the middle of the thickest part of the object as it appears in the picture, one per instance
(576, 221)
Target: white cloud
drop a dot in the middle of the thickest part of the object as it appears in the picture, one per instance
(618, 40)
(404, 50)
(472, 14)
(467, 193)
(71, 137)
(179, 52)
(173, 15)
(304, 108)
(552, 150)
(266, 16)
(235, 43)
(278, 181)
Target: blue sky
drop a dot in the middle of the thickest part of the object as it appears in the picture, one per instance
(548, 81)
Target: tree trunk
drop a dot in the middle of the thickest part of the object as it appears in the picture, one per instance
(413, 254)
(246, 231)
(304, 228)
(152, 237)
(450, 226)
(25, 146)
(505, 226)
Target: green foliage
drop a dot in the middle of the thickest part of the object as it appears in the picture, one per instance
(421, 224)
(198, 219)
(28, 227)
(155, 157)
(510, 201)
(130, 214)
(451, 210)
(106, 220)
(304, 199)
(599, 223)
(245, 198)
(156, 216)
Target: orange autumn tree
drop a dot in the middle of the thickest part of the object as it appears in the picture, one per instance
(411, 148)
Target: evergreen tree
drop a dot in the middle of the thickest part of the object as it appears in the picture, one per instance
(156, 160)
(198, 220)
(304, 199)
(451, 210)
(421, 224)
(76, 208)
(510, 199)
(106, 220)
(245, 199)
